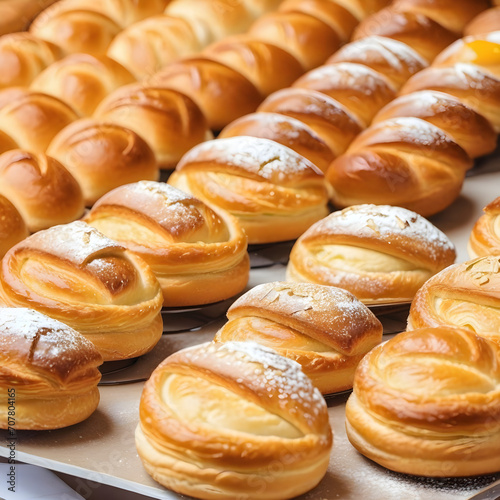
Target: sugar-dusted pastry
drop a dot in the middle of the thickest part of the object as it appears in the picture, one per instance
(199, 255)
(380, 253)
(324, 328)
(48, 372)
(427, 403)
(465, 295)
(485, 235)
(13, 229)
(76, 275)
(216, 420)
(275, 193)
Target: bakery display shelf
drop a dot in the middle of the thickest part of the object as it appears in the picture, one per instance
(102, 448)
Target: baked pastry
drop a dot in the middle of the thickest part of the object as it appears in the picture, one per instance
(401, 161)
(82, 80)
(215, 418)
(48, 372)
(363, 8)
(485, 22)
(324, 328)
(12, 226)
(427, 403)
(275, 193)
(41, 189)
(379, 253)
(76, 275)
(16, 16)
(169, 121)
(464, 295)
(485, 235)
(197, 254)
(102, 156)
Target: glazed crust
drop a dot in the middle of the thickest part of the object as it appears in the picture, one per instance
(13, 229)
(485, 235)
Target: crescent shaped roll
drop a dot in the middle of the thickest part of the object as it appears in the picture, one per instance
(324, 329)
(427, 403)
(197, 254)
(217, 418)
(485, 235)
(76, 275)
(379, 253)
(48, 372)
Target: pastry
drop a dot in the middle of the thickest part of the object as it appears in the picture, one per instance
(324, 328)
(485, 235)
(12, 226)
(485, 22)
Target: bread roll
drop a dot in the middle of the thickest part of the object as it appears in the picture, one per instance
(427, 403)
(15, 15)
(332, 121)
(168, 120)
(221, 93)
(197, 254)
(82, 80)
(469, 129)
(32, 119)
(485, 235)
(464, 295)
(74, 274)
(217, 418)
(43, 191)
(381, 254)
(360, 89)
(147, 46)
(362, 8)
(6, 142)
(402, 161)
(12, 226)
(275, 193)
(48, 372)
(22, 57)
(285, 130)
(103, 156)
(325, 329)
(485, 22)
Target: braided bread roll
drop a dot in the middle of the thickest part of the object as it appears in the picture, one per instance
(381, 254)
(48, 370)
(324, 329)
(275, 193)
(485, 235)
(76, 275)
(197, 254)
(427, 403)
(12, 226)
(215, 418)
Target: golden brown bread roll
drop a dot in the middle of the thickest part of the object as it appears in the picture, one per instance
(147, 46)
(216, 419)
(76, 275)
(362, 8)
(266, 65)
(82, 80)
(48, 370)
(401, 161)
(103, 156)
(22, 57)
(197, 254)
(360, 89)
(485, 22)
(324, 329)
(16, 15)
(464, 295)
(6, 142)
(469, 129)
(32, 119)
(485, 235)
(275, 193)
(427, 403)
(43, 191)
(381, 254)
(12, 226)
(168, 120)
(285, 130)
(332, 121)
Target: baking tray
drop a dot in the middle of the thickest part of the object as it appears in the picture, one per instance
(102, 448)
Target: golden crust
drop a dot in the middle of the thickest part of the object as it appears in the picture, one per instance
(486, 22)
(48, 369)
(198, 254)
(76, 275)
(13, 229)
(259, 419)
(485, 235)
(427, 403)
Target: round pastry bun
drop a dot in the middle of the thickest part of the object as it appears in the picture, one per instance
(49, 372)
(215, 418)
